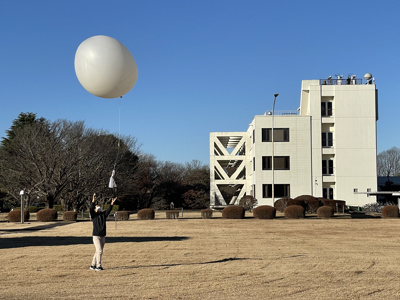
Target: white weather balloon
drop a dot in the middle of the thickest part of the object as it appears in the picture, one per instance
(105, 67)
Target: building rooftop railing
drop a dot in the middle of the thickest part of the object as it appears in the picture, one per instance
(284, 112)
(342, 81)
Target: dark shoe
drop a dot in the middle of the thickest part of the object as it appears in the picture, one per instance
(92, 268)
(99, 269)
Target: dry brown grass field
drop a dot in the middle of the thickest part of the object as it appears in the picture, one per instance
(194, 258)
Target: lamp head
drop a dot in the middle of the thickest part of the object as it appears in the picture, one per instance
(276, 95)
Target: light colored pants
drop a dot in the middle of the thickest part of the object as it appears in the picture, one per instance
(98, 242)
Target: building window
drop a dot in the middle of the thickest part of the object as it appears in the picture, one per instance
(281, 190)
(280, 135)
(280, 162)
(327, 193)
(326, 109)
(327, 167)
(327, 139)
(254, 163)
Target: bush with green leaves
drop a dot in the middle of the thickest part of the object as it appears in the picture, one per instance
(294, 212)
(70, 216)
(233, 212)
(264, 212)
(47, 215)
(33, 209)
(146, 214)
(324, 212)
(390, 211)
(15, 216)
(114, 209)
(58, 207)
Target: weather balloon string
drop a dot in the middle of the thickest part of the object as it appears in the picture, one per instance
(106, 69)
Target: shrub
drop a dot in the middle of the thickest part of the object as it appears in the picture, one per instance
(33, 209)
(280, 204)
(233, 212)
(298, 202)
(264, 212)
(123, 215)
(114, 209)
(15, 216)
(390, 211)
(70, 216)
(248, 202)
(372, 207)
(206, 213)
(47, 215)
(58, 207)
(325, 212)
(145, 214)
(172, 214)
(311, 203)
(337, 205)
(294, 212)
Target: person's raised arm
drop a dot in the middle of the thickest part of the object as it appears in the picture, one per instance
(91, 208)
(111, 206)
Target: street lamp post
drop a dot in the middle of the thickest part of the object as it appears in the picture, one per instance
(22, 206)
(272, 160)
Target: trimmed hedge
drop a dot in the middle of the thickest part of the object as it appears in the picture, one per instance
(172, 214)
(298, 202)
(47, 215)
(281, 204)
(264, 212)
(15, 216)
(311, 203)
(233, 212)
(114, 209)
(123, 215)
(70, 216)
(58, 207)
(325, 212)
(390, 211)
(206, 213)
(146, 214)
(335, 204)
(294, 212)
(33, 209)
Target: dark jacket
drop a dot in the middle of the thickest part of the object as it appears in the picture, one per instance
(99, 220)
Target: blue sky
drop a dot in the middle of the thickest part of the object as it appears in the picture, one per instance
(204, 66)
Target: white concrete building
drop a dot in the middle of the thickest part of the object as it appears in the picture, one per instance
(327, 148)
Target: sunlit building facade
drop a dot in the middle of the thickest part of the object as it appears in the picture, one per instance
(325, 148)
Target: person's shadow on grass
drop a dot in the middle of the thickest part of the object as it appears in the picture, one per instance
(32, 241)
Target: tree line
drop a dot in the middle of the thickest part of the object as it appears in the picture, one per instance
(388, 162)
(64, 162)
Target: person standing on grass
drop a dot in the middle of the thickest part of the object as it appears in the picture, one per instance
(99, 218)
